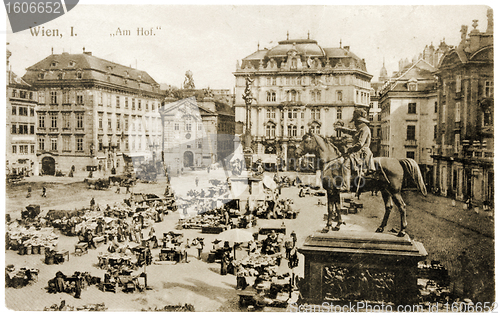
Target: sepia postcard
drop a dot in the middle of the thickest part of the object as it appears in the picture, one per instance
(264, 157)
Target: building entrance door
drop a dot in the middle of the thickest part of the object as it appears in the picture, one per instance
(188, 159)
(48, 166)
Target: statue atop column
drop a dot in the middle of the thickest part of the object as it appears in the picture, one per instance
(188, 81)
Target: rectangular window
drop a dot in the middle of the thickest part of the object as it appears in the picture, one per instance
(66, 120)
(32, 148)
(53, 120)
(14, 110)
(41, 97)
(139, 107)
(126, 123)
(79, 120)
(23, 149)
(200, 144)
(435, 131)
(32, 129)
(126, 102)
(66, 144)
(108, 100)
(117, 101)
(410, 154)
(410, 132)
(153, 106)
(110, 124)
(488, 89)
(176, 126)
(79, 144)
(200, 126)
(457, 111)
(274, 81)
(100, 121)
(188, 126)
(339, 113)
(65, 97)
(14, 149)
(53, 97)
(435, 107)
(79, 97)
(99, 144)
(458, 83)
(14, 129)
(41, 144)
(147, 105)
(118, 119)
(23, 111)
(412, 107)
(53, 144)
(443, 118)
(32, 111)
(99, 98)
(133, 103)
(457, 143)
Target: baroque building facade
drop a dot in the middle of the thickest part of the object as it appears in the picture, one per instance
(464, 152)
(93, 114)
(298, 86)
(21, 125)
(198, 129)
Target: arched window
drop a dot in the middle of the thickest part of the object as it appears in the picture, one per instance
(301, 130)
(270, 130)
(293, 96)
(292, 130)
(273, 96)
(268, 96)
(315, 128)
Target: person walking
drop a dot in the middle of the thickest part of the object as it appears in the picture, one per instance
(196, 181)
(200, 246)
(29, 192)
(44, 192)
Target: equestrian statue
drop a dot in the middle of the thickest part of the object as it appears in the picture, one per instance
(354, 169)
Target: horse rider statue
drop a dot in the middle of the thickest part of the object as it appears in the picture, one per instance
(359, 157)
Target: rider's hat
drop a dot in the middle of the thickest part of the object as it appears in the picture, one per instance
(359, 115)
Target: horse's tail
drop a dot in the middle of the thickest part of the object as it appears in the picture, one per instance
(411, 167)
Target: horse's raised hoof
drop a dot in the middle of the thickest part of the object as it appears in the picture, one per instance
(326, 229)
(379, 230)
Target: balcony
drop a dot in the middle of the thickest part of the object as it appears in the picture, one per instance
(411, 143)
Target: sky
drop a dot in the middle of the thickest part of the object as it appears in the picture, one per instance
(208, 40)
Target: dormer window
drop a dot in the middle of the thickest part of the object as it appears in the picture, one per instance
(72, 64)
(412, 85)
(41, 75)
(60, 76)
(53, 64)
(79, 75)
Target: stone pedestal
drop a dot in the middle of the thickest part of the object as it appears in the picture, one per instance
(354, 266)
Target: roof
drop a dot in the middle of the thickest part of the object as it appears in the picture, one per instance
(90, 67)
(306, 48)
(14, 80)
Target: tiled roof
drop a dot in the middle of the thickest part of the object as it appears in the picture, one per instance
(91, 67)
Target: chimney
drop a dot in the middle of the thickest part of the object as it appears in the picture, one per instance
(90, 54)
(347, 48)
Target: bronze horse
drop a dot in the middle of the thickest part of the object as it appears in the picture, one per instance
(388, 179)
